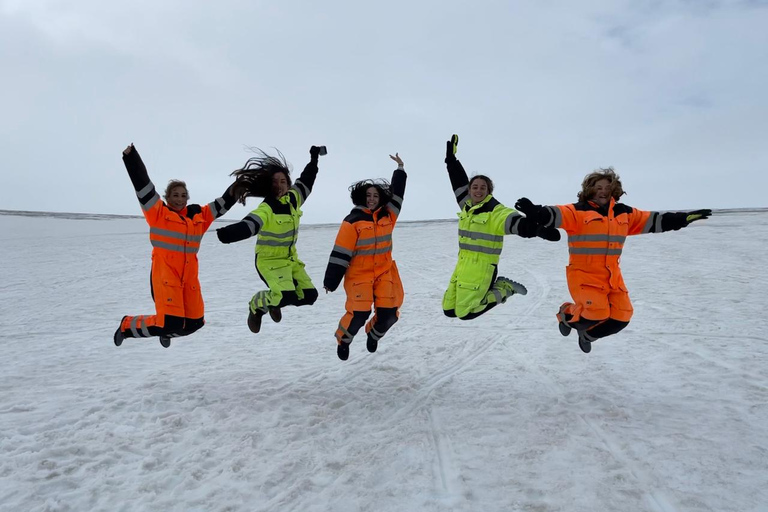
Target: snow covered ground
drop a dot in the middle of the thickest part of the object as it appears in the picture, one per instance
(496, 414)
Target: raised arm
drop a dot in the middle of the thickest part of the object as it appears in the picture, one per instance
(304, 183)
(399, 177)
(148, 197)
(456, 172)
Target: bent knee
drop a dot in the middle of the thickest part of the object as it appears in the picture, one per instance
(310, 296)
(193, 325)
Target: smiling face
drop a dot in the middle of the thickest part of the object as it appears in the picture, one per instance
(372, 198)
(279, 184)
(478, 190)
(177, 198)
(602, 192)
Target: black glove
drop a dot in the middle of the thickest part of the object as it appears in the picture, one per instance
(551, 234)
(526, 206)
(450, 148)
(697, 215)
(677, 220)
(314, 152)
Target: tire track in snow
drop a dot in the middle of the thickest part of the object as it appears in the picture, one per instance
(445, 472)
(464, 361)
(653, 496)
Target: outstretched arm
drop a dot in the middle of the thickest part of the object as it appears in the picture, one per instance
(539, 219)
(246, 228)
(670, 221)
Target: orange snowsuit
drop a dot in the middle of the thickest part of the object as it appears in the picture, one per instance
(362, 256)
(175, 238)
(595, 242)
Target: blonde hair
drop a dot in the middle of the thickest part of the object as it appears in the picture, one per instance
(172, 185)
(588, 185)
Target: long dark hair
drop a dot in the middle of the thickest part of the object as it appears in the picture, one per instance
(255, 177)
(358, 190)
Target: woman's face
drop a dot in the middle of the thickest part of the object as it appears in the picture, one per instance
(478, 191)
(177, 198)
(372, 198)
(279, 184)
(602, 194)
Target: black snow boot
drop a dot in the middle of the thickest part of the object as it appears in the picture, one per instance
(342, 350)
(372, 344)
(254, 321)
(275, 314)
(165, 341)
(585, 344)
(119, 337)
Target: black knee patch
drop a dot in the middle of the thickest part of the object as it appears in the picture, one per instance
(192, 324)
(358, 320)
(173, 326)
(310, 296)
(607, 328)
(385, 318)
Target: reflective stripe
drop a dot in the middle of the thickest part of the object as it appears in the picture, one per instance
(342, 250)
(174, 234)
(146, 190)
(139, 327)
(252, 220)
(378, 250)
(395, 204)
(594, 250)
(274, 243)
(218, 207)
(338, 261)
(479, 248)
(557, 217)
(496, 294)
(189, 249)
(374, 240)
(151, 202)
(375, 335)
(345, 334)
(653, 223)
(302, 189)
(288, 234)
(476, 235)
(597, 238)
(508, 227)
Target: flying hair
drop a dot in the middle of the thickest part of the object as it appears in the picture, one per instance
(588, 185)
(254, 178)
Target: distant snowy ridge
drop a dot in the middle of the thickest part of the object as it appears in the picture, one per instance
(109, 216)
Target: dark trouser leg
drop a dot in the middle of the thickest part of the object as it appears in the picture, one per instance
(350, 325)
(476, 314)
(382, 320)
(607, 328)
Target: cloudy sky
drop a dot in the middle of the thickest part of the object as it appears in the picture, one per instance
(670, 93)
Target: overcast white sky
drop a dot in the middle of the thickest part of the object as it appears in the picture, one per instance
(670, 93)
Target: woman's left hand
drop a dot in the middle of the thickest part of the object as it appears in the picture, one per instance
(397, 159)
